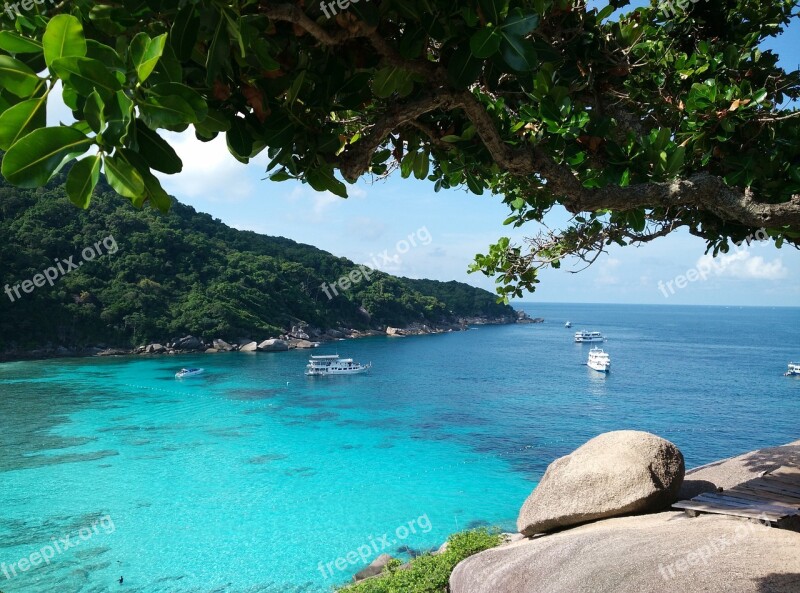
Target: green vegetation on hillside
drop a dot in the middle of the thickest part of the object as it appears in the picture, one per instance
(428, 573)
(186, 273)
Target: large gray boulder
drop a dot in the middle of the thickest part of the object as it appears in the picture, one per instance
(616, 473)
(249, 347)
(222, 346)
(662, 553)
(273, 346)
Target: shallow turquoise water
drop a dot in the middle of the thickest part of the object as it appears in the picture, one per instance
(253, 478)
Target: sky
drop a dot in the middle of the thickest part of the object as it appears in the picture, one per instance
(410, 230)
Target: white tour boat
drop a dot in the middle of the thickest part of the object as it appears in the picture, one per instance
(568, 324)
(794, 370)
(584, 336)
(188, 373)
(599, 360)
(333, 365)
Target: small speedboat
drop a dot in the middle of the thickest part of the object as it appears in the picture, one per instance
(568, 324)
(794, 370)
(188, 373)
(599, 360)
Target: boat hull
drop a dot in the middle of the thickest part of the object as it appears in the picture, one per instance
(599, 368)
(337, 372)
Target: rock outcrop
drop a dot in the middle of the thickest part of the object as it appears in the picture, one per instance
(665, 552)
(616, 473)
(273, 345)
(249, 347)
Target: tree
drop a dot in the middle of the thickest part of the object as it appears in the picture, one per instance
(668, 117)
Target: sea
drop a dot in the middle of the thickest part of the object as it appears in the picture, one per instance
(253, 478)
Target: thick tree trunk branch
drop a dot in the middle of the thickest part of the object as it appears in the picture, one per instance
(703, 191)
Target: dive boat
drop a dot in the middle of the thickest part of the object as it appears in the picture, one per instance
(794, 370)
(333, 365)
(599, 360)
(188, 373)
(584, 336)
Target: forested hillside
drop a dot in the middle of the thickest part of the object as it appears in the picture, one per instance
(184, 273)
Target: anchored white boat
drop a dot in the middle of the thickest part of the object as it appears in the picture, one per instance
(333, 365)
(584, 336)
(794, 370)
(599, 360)
(188, 373)
(568, 324)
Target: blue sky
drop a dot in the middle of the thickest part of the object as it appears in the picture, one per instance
(378, 216)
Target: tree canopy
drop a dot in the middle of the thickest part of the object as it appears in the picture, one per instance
(670, 116)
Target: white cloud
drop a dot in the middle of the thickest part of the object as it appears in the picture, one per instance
(210, 172)
(744, 265)
(606, 275)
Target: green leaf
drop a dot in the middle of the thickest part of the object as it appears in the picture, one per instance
(82, 179)
(162, 112)
(63, 38)
(493, 9)
(463, 68)
(145, 53)
(156, 152)
(21, 119)
(421, 165)
(485, 43)
(322, 179)
(518, 53)
(35, 158)
(17, 78)
(93, 112)
(520, 25)
(637, 220)
(192, 97)
(13, 42)
(86, 75)
(183, 35)
(240, 141)
(153, 191)
(407, 165)
(119, 114)
(125, 180)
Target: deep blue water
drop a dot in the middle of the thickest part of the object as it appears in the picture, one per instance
(254, 478)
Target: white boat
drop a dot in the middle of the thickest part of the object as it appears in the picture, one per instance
(599, 360)
(568, 324)
(584, 336)
(188, 373)
(794, 370)
(333, 365)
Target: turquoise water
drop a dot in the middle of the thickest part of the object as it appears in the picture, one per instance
(254, 478)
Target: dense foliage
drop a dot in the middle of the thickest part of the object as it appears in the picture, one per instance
(668, 117)
(428, 573)
(186, 273)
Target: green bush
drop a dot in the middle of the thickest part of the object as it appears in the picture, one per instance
(428, 573)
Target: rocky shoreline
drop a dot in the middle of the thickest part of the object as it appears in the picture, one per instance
(600, 522)
(300, 336)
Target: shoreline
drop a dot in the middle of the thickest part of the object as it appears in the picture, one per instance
(300, 337)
